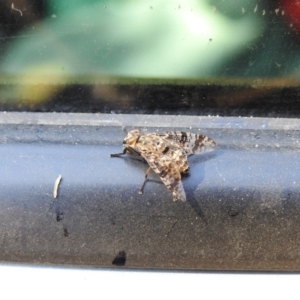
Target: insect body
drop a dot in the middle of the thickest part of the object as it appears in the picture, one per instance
(166, 154)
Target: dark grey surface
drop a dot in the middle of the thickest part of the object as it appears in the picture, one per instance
(242, 211)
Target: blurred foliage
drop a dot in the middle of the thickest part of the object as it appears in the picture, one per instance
(132, 38)
(93, 41)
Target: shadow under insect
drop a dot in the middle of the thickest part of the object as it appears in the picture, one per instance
(194, 178)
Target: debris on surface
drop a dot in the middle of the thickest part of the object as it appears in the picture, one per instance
(56, 186)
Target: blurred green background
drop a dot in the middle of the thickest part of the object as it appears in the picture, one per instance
(105, 44)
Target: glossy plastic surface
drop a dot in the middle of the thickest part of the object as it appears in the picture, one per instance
(242, 211)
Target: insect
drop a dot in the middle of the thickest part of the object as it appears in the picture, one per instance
(166, 154)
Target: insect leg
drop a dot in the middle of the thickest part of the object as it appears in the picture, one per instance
(133, 151)
(126, 150)
(145, 180)
(119, 154)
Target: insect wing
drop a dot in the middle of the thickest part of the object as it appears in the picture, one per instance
(192, 143)
(163, 166)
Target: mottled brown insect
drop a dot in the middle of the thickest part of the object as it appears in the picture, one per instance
(166, 154)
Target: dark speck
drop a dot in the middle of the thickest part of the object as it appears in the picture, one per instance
(120, 259)
(166, 150)
(66, 232)
(232, 212)
(59, 216)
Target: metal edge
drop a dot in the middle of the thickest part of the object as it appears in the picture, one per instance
(98, 119)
